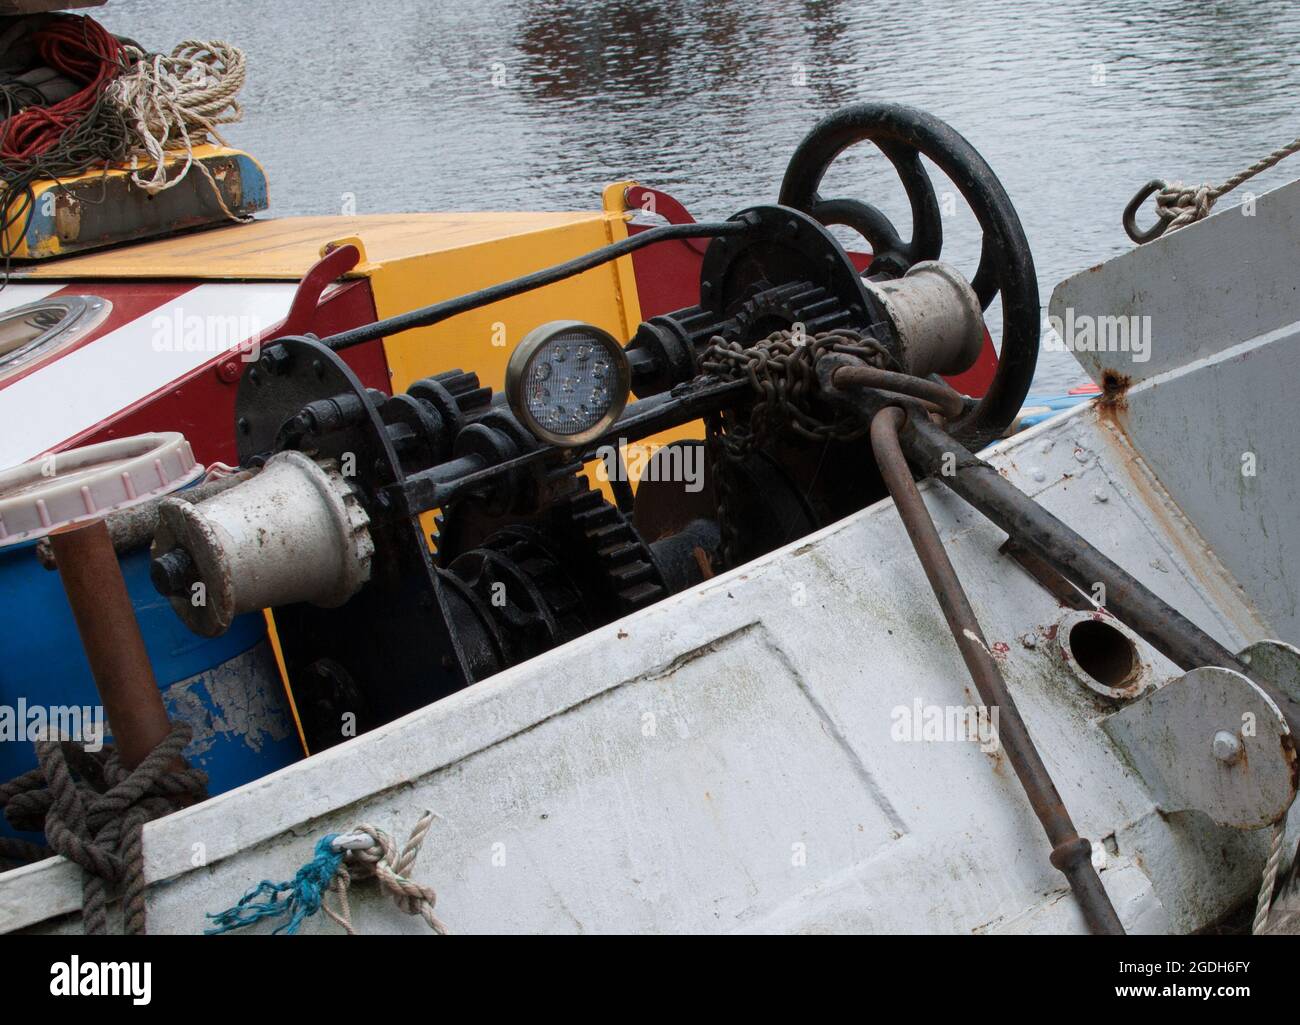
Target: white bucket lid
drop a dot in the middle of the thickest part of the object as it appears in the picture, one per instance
(61, 488)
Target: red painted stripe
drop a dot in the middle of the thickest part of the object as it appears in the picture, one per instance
(131, 300)
(201, 404)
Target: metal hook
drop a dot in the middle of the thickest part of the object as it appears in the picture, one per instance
(1130, 213)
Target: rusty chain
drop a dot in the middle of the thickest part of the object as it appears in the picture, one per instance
(782, 370)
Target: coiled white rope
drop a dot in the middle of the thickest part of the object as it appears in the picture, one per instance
(173, 102)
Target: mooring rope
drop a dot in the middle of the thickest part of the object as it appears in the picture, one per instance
(93, 810)
(1178, 205)
(365, 852)
(371, 853)
(1265, 899)
(130, 104)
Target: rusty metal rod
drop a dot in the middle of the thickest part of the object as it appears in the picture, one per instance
(1038, 532)
(1071, 854)
(111, 635)
(947, 399)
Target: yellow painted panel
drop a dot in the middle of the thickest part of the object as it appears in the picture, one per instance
(483, 339)
(274, 636)
(285, 248)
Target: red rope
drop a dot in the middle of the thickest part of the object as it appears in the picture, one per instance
(84, 51)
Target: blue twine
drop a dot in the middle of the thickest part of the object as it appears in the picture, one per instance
(306, 891)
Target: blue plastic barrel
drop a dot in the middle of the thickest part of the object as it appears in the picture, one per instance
(228, 689)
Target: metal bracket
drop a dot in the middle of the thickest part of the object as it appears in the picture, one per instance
(1214, 742)
(1274, 664)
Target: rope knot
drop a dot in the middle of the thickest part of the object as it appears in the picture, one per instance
(366, 852)
(1178, 204)
(93, 810)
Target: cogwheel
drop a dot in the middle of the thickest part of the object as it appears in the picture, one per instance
(778, 308)
(360, 545)
(625, 558)
(589, 538)
(456, 394)
(542, 607)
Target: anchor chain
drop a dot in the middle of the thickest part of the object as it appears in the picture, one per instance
(781, 370)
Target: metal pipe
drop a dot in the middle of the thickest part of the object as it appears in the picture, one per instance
(1037, 531)
(1071, 854)
(428, 315)
(111, 636)
(438, 485)
(947, 399)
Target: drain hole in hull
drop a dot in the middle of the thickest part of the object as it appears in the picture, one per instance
(1103, 652)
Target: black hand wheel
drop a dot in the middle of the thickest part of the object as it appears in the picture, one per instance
(1006, 266)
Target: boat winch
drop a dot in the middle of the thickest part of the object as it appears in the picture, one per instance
(821, 391)
(374, 621)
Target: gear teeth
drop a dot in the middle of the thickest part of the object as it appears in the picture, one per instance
(563, 602)
(620, 549)
(622, 555)
(360, 541)
(465, 389)
(799, 302)
(455, 394)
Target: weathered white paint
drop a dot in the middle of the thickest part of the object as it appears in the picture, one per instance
(1213, 409)
(772, 729)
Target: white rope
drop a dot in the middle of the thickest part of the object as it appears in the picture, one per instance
(1271, 866)
(372, 853)
(173, 102)
(1178, 205)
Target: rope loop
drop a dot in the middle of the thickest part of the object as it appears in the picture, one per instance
(1178, 205)
(367, 852)
(93, 810)
(171, 103)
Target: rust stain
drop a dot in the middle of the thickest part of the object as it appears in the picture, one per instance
(1114, 391)
(999, 761)
(1163, 518)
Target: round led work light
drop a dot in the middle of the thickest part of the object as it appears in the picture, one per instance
(568, 382)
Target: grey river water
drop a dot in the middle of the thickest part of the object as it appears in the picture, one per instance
(512, 104)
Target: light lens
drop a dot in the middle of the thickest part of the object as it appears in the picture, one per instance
(571, 381)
